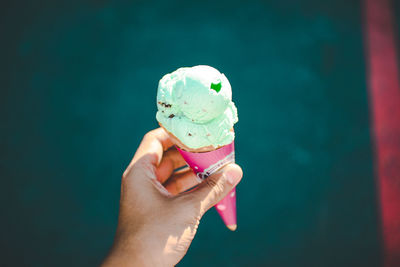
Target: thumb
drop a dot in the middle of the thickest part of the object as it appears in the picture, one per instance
(216, 187)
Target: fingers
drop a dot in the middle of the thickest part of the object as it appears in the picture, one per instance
(151, 149)
(215, 188)
(154, 142)
(181, 182)
(171, 160)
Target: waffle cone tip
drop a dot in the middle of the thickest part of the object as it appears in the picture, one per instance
(232, 227)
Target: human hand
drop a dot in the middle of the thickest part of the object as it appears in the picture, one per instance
(156, 224)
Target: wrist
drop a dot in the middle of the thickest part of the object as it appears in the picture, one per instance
(132, 252)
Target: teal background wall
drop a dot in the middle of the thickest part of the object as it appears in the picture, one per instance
(78, 87)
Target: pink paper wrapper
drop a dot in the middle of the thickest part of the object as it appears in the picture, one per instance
(206, 163)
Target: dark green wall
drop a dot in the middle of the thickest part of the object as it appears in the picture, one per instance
(78, 88)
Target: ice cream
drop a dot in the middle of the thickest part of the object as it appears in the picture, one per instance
(195, 106)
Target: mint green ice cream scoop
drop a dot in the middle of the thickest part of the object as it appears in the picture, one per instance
(195, 104)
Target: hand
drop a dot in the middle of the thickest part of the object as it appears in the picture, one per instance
(156, 224)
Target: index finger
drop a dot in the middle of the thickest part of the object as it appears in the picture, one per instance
(154, 143)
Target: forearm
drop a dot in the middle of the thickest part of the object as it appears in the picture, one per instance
(132, 252)
(126, 257)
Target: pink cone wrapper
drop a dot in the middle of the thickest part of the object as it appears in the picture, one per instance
(206, 163)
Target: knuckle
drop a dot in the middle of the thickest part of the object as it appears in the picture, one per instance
(211, 182)
(153, 133)
(217, 190)
(148, 135)
(215, 185)
(125, 174)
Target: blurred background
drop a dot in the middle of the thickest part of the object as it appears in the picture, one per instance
(78, 89)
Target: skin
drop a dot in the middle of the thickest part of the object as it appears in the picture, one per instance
(157, 222)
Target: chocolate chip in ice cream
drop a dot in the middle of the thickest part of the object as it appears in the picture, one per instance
(164, 104)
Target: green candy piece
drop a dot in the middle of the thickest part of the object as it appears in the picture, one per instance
(216, 87)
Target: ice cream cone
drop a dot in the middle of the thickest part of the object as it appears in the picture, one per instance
(204, 163)
(195, 107)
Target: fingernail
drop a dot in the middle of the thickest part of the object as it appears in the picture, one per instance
(233, 176)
